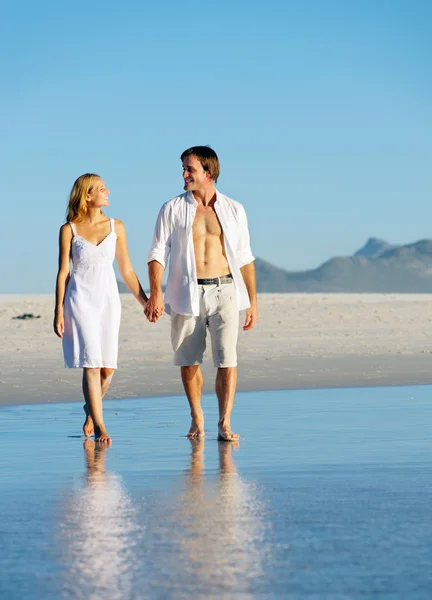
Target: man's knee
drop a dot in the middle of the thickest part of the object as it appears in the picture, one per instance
(226, 372)
(190, 371)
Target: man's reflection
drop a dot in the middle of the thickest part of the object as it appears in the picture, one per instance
(99, 533)
(221, 530)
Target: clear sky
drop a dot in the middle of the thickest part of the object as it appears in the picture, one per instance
(320, 112)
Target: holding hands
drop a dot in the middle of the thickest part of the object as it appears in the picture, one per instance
(154, 308)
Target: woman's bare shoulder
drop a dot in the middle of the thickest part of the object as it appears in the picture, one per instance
(66, 229)
(119, 225)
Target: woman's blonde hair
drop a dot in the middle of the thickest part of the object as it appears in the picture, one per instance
(77, 206)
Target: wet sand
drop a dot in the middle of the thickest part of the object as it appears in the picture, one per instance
(327, 495)
(300, 341)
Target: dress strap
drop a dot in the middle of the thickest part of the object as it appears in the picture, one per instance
(73, 228)
(112, 224)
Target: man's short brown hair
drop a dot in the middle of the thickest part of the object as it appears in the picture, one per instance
(207, 157)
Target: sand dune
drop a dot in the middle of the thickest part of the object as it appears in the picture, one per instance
(301, 340)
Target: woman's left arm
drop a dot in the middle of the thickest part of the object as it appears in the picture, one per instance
(125, 266)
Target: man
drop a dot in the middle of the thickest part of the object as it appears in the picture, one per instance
(211, 278)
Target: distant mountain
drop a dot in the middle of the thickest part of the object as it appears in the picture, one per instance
(376, 267)
(374, 247)
(389, 268)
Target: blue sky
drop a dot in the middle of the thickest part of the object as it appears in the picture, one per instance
(320, 112)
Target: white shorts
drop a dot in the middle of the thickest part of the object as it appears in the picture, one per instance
(219, 313)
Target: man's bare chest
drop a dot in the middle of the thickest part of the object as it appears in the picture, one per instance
(206, 223)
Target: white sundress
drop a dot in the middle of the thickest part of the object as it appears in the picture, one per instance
(92, 307)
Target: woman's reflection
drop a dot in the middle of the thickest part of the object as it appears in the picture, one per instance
(99, 535)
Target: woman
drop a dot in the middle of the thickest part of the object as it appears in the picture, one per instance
(87, 313)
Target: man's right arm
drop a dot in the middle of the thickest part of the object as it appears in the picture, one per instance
(157, 261)
(155, 305)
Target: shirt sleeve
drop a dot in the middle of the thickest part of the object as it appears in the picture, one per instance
(244, 253)
(161, 244)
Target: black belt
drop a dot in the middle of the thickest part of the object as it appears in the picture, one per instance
(216, 280)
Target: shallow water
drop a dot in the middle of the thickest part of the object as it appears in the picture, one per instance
(327, 495)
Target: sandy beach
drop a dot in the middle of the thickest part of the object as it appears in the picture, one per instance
(300, 341)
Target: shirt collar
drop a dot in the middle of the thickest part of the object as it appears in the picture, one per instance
(190, 199)
(219, 196)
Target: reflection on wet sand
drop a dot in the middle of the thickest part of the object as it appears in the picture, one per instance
(221, 527)
(204, 540)
(98, 534)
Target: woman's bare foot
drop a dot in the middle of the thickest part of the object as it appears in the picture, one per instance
(225, 434)
(88, 427)
(197, 426)
(95, 457)
(89, 445)
(101, 436)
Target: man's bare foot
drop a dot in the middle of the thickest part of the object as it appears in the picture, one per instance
(226, 435)
(101, 436)
(226, 449)
(88, 427)
(197, 427)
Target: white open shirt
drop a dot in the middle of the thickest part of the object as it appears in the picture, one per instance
(173, 234)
